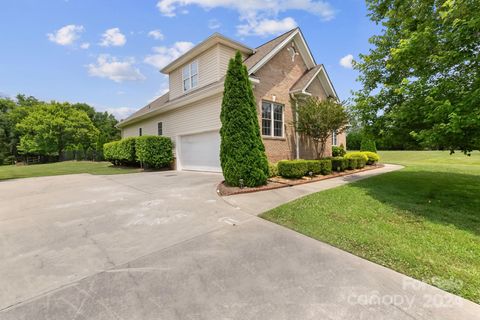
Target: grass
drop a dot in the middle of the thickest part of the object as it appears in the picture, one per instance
(61, 168)
(423, 221)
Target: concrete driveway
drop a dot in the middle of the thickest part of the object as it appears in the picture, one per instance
(164, 246)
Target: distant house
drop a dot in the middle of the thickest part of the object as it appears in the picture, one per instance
(281, 71)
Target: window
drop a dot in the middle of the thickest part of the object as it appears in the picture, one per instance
(272, 119)
(160, 128)
(190, 76)
(334, 138)
(139, 132)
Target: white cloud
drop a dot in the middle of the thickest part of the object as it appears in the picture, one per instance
(85, 45)
(121, 113)
(113, 37)
(214, 24)
(266, 27)
(66, 35)
(255, 13)
(347, 61)
(156, 34)
(114, 69)
(164, 55)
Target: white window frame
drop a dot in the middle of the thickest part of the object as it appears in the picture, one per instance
(189, 76)
(334, 138)
(272, 119)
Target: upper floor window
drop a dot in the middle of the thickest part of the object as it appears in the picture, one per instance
(334, 138)
(160, 128)
(139, 132)
(190, 76)
(272, 119)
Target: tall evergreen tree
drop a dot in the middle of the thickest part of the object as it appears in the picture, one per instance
(242, 153)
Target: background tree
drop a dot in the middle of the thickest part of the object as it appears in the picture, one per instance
(51, 128)
(317, 119)
(421, 79)
(242, 153)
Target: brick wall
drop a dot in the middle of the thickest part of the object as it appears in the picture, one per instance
(276, 79)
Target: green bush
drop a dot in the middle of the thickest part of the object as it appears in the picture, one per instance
(338, 151)
(154, 151)
(313, 166)
(357, 155)
(361, 163)
(339, 164)
(272, 170)
(292, 168)
(352, 163)
(368, 145)
(242, 153)
(120, 152)
(325, 166)
(372, 157)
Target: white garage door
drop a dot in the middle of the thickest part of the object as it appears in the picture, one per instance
(200, 151)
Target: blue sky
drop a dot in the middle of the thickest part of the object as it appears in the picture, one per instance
(108, 53)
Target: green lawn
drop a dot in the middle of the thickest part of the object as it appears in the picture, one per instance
(60, 168)
(423, 221)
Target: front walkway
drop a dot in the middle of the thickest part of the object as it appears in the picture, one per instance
(259, 202)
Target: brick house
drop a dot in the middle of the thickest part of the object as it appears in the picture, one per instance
(282, 71)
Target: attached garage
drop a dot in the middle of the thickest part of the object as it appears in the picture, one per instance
(199, 151)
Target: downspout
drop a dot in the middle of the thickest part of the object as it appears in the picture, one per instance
(297, 137)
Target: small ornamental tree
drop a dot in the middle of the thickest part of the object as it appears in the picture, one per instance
(242, 153)
(317, 119)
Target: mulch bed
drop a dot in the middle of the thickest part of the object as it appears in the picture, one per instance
(279, 182)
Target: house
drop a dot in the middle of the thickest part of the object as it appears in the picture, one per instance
(281, 71)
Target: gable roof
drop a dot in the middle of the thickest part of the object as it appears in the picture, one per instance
(264, 49)
(304, 82)
(203, 46)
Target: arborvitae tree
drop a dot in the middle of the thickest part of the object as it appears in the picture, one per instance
(242, 153)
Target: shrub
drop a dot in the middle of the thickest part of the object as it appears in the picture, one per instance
(272, 170)
(357, 155)
(325, 166)
(292, 168)
(352, 163)
(242, 153)
(313, 166)
(372, 157)
(338, 151)
(339, 164)
(361, 163)
(368, 145)
(120, 152)
(154, 151)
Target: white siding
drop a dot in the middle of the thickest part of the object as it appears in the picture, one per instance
(200, 116)
(207, 72)
(224, 56)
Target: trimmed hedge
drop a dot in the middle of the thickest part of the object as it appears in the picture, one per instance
(272, 170)
(338, 151)
(372, 157)
(352, 163)
(313, 166)
(292, 168)
(339, 164)
(120, 152)
(154, 151)
(325, 166)
(357, 155)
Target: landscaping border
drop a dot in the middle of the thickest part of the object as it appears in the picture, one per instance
(279, 182)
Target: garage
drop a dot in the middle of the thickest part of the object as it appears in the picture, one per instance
(200, 151)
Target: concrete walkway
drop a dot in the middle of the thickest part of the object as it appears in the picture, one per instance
(259, 202)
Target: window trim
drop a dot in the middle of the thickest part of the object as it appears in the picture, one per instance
(190, 76)
(272, 120)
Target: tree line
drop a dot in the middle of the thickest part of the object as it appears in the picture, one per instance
(29, 126)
